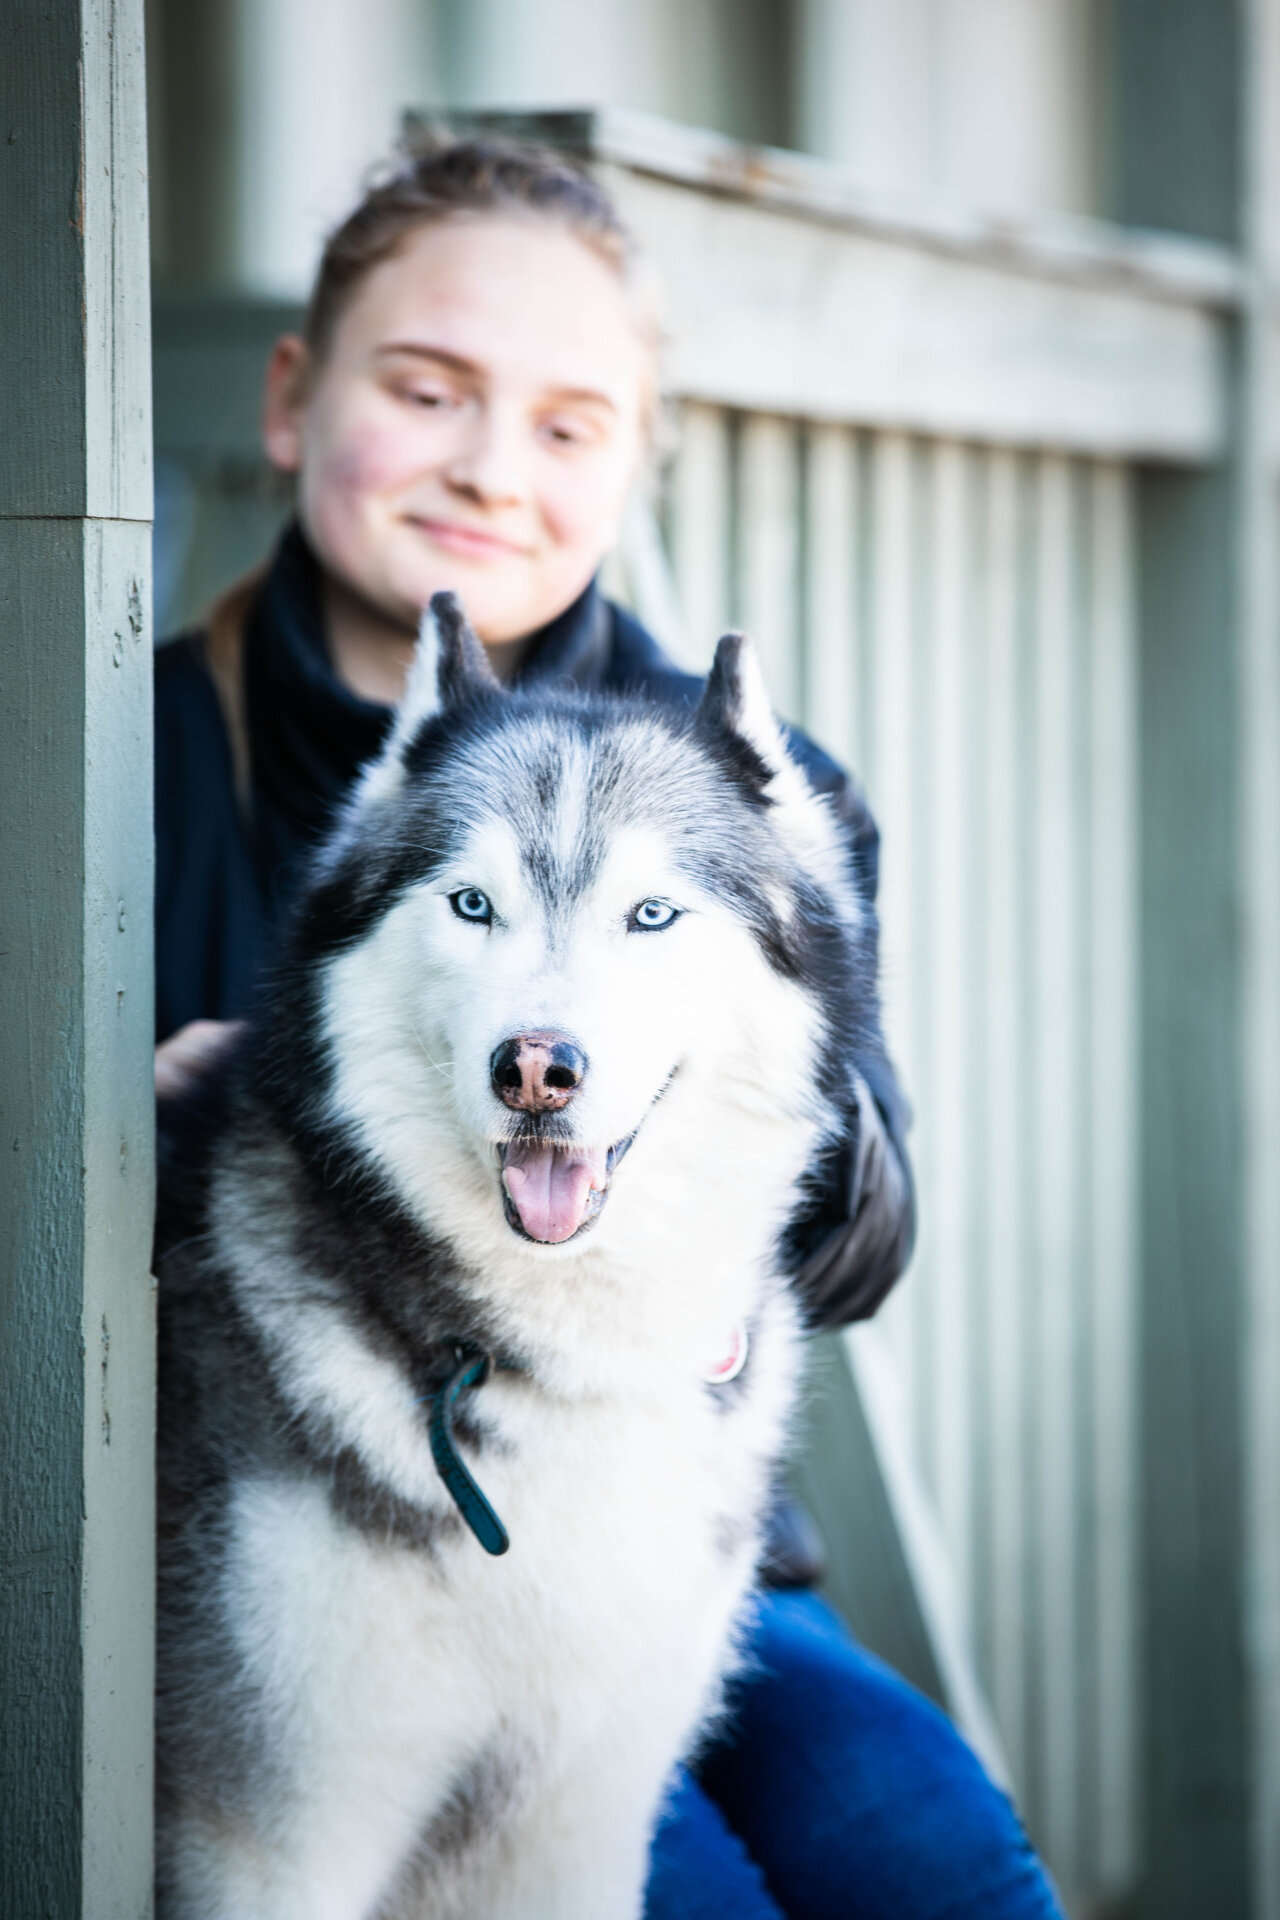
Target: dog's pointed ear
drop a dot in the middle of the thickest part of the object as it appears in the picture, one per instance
(736, 701)
(449, 667)
(736, 704)
(460, 667)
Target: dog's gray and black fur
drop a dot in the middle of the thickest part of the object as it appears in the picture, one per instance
(360, 1712)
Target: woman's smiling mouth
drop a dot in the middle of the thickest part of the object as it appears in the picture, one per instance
(471, 543)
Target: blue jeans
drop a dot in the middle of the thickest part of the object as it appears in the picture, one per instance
(837, 1792)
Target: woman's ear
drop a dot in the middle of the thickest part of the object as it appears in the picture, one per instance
(284, 397)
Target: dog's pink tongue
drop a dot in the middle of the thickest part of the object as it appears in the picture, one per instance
(550, 1187)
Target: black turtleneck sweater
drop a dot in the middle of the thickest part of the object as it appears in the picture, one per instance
(224, 871)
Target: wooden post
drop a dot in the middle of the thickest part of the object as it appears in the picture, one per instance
(1259, 871)
(76, 1311)
(1184, 71)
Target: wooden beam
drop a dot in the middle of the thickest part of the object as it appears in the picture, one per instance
(1163, 265)
(798, 292)
(779, 314)
(76, 1333)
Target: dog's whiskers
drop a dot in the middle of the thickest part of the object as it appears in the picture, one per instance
(439, 1066)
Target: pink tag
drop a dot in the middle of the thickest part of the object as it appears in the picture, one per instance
(733, 1362)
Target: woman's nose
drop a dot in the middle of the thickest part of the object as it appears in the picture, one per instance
(490, 465)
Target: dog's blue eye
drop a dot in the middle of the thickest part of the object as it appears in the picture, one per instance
(470, 904)
(652, 914)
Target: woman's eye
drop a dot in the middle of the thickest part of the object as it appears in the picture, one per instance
(566, 433)
(652, 914)
(470, 904)
(435, 399)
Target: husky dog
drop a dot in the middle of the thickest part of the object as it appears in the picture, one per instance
(482, 1244)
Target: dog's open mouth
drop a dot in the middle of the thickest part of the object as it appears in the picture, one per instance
(552, 1189)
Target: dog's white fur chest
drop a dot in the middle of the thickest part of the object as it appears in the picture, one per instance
(566, 1673)
(390, 1724)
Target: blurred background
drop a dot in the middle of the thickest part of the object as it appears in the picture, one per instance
(266, 114)
(971, 366)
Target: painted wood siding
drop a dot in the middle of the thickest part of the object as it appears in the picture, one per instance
(957, 623)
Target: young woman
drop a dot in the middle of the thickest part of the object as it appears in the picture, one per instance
(468, 407)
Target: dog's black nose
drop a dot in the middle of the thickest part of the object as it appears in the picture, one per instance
(537, 1072)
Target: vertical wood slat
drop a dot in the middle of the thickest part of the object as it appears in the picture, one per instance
(1113, 1252)
(700, 497)
(768, 552)
(832, 639)
(949, 923)
(892, 780)
(1055, 1096)
(1006, 1163)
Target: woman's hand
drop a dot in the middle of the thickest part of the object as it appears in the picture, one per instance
(190, 1052)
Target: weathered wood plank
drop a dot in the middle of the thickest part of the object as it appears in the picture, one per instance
(784, 315)
(76, 1343)
(1160, 265)
(75, 1217)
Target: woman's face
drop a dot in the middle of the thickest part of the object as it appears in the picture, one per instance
(476, 424)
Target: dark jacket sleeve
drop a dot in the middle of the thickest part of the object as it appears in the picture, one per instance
(854, 1238)
(209, 918)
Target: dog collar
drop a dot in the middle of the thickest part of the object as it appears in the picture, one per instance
(731, 1363)
(471, 1369)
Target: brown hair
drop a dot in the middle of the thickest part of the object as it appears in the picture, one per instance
(442, 177)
